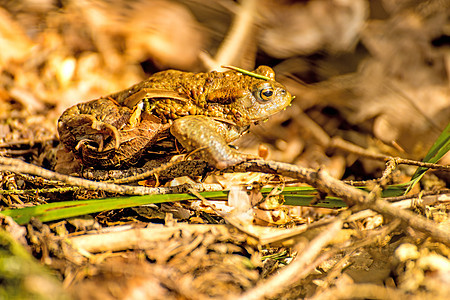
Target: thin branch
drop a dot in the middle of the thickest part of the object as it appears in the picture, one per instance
(18, 166)
(293, 272)
(341, 144)
(404, 161)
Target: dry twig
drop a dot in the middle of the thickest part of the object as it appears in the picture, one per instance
(295, 270)
(341, 144)
(18, 166)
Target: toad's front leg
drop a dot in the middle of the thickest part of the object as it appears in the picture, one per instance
(209, 139)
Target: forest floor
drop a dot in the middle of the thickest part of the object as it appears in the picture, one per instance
(325, 211)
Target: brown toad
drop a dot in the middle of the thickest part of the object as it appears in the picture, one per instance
(203, 111)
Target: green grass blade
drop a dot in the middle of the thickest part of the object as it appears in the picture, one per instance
(259, 76)
(68, 209)
(436, 152)
(328, 202)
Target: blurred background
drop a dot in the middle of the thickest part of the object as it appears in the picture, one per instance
(374, 73)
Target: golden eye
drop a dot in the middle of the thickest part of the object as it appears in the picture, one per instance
(265, 94)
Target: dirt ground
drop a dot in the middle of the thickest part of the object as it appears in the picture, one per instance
(371, 81)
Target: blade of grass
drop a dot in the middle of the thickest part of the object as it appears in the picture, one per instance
(303, 196)
(436, 152)
(68, 209)
(300, 200)
(259, 76)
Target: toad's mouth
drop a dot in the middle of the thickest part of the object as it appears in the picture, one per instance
(255, 115)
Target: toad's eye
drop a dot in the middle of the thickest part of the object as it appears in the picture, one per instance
(265, 93)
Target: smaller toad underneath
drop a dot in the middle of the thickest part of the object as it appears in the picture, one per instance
(202, 111)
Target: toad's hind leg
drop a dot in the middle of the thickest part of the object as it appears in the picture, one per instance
(208, 138)
(103, 133)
